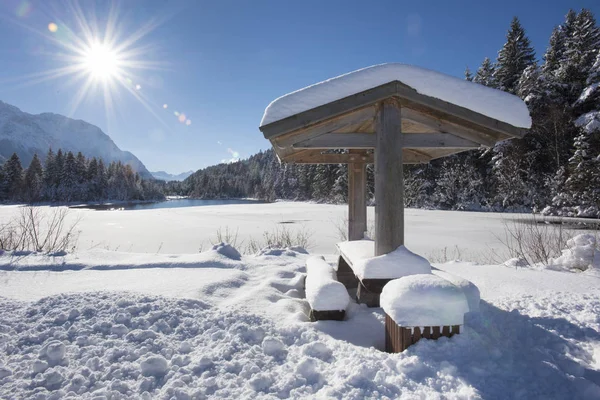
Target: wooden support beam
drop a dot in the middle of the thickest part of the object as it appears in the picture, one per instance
(367, 141)
(447, 127)
(357, 199)
(315, 156)
(354, 117)
(389, 178)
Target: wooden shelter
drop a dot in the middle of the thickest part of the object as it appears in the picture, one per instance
(388, 125)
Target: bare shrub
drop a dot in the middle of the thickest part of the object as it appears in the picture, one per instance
(280, 237)
(532, 240)
(36, 230)
(225, 235)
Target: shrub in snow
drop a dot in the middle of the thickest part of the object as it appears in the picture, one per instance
(582, 253)
(323, 291)
(400, 262)
(154, 365)
(424, 300)
(225, 249)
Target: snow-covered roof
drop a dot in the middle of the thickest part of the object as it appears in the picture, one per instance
(490, 102)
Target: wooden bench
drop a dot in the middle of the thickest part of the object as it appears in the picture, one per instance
(367, 290)
(399, 338)
(327, 297)
(422, 306)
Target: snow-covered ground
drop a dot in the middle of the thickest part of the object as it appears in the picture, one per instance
(186, 230)
(215, 325)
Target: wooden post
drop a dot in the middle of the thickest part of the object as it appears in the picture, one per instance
(389, 179)
(357, 198)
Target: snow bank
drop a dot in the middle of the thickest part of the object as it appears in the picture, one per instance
(470, 291)
(484, 100)
(323, 291)
(400, 262)
(424, 300)
(583, 253)
(220, 256)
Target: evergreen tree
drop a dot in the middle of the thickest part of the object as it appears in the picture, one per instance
(468, 74)
(485, 74)
(34, 180)
(13, 178)
(516, 55)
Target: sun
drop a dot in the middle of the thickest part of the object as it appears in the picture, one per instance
(101, 62)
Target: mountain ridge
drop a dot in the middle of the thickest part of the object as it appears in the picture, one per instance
(165, 176)
(27, 134)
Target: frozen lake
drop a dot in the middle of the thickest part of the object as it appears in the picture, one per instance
(174, 203)
(435, 234)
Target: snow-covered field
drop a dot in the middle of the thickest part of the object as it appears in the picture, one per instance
(106, 324)
(186, 230)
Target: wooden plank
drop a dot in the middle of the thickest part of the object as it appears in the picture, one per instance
(435, 332)
(345, 275)
(389, 179)
(406, 338)
(327, 315)
(416, 334)
(317, 156)
(327, 126)
(342, 106)
(357, 200)
(427, 332)
(446, 331)
(456, 113)
(455, 329)
(357, 140)
(446, 127)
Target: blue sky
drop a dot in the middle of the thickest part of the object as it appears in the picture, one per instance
(222, 62)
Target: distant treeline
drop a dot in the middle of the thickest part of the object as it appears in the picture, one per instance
(66, 177)
(555, 168)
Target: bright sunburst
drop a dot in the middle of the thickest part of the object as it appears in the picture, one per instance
(101, 62)
(98, 57)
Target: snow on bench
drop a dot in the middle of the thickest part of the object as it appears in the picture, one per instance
(327, 297)
(374, 272)
(423, 305)
(470, 291)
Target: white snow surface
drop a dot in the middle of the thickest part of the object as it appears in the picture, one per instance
(323, 291)
(424, 300)
(582, 254)
(239, 328)
(217, 332)
(484, 100)
(470, 291)
(398, 263)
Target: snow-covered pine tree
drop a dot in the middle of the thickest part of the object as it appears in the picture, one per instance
(34, 180)
(68, 179)
(485, 73)
(468, 74)
(13, 178)
(50, 177)
(516, 55)
(581, 44)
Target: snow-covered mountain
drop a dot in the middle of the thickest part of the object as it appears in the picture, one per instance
(27, 134)
(165, 176)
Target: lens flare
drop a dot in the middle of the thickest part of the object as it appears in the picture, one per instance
(182, 118)
(165, 106)
(52, 27)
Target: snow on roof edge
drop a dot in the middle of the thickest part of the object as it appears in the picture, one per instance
(491, 102)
